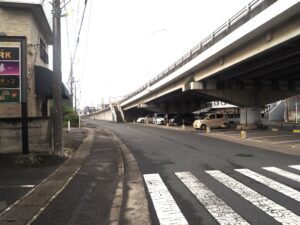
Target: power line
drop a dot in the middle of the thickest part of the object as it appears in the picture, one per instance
(71, 78)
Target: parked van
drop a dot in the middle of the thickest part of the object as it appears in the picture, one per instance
(212, 120)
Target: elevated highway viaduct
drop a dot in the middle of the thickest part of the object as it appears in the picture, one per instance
(250, 61)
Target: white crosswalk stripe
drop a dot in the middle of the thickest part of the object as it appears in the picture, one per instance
(288, 191)
(297, 167)
(167, 211)
(283, 173)
(223, 213)
(273, 209)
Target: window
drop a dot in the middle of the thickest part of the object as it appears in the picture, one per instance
(219, 116)
(212, 116)
(43, 52)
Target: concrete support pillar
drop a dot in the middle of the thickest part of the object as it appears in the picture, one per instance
(250, 117)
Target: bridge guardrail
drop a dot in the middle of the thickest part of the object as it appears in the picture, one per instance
(240, 18)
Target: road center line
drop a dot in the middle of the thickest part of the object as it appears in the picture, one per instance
(273, 209)
(165, 206)
(283, 189)
(223, 213)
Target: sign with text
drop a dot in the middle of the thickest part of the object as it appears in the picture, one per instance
(10, 74)
(9, 95)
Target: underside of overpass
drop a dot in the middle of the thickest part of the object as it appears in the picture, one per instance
(259, 80)
(269, 76)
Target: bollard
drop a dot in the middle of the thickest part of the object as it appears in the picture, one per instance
(167, 124)
(183, 127)
(243, 134)
(69, 126)
(207, 130)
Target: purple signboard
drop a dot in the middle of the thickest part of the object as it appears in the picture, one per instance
(10, 74)
(9, 68)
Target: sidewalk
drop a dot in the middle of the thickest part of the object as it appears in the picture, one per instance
(20, 182)
(26, 192)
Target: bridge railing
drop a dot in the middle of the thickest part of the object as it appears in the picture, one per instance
(240, 18)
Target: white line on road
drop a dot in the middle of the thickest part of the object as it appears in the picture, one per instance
(18, 186)
(297, 167)
(273, 136)
(279, 142)
(223, 213)
(165, 206)
(249, 139)
(273, 209)
(53, 197)
(283, 173)
(288, 191)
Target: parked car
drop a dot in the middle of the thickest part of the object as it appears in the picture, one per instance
(212, 120)
(159, 118)
(140, 120)
(180, 119)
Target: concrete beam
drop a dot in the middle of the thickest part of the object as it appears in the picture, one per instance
(249, 98)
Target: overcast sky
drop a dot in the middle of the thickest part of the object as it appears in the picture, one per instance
(123, 44)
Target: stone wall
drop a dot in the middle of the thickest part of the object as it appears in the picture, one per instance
(39, 132)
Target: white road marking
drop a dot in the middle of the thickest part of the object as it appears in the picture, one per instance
(273, 136)
(288, 191)
(273, 209)
(53, 197)
(223, 213)
(249, 139)
(165, 206)
(18, 186)
(283, 173)
(279, 142)
(297, 167)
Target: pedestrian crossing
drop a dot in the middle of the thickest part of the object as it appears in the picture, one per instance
(168, 211)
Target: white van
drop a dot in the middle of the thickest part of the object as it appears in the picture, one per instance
(212, 120)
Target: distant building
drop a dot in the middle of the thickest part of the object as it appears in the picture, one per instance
(89, 109)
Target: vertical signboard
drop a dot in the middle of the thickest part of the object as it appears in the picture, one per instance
(10, 74)
(13, 78)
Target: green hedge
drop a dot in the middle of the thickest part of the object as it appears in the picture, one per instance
(69, 115)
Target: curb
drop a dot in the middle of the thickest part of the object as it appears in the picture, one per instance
(58, 180)
(135, 209)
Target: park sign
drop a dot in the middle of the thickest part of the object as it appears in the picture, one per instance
(10, 74)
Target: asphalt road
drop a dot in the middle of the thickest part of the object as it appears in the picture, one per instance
(188, 178)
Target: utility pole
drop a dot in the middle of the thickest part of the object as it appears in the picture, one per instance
(57, 83)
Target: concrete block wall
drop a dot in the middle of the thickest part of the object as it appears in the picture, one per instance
(39, 132)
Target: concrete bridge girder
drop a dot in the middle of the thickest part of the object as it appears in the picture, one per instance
(249, 98)
(246, 93)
